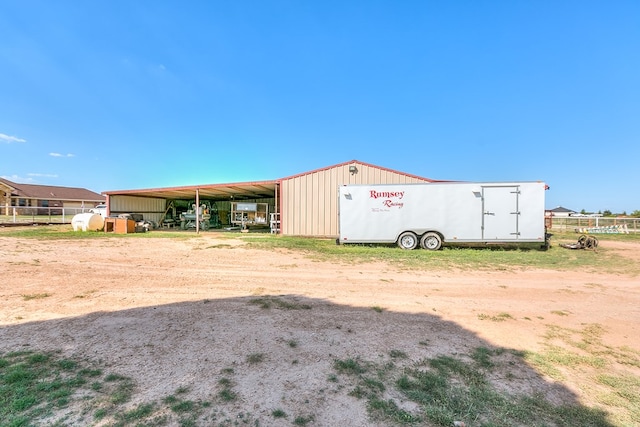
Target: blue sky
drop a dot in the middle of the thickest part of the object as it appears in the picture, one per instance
(124, 94)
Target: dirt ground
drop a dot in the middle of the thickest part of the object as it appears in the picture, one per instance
(175, 313)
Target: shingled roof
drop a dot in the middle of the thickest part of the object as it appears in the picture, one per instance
(51, 192)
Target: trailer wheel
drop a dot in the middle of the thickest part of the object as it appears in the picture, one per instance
(431, 241)
(408, 240)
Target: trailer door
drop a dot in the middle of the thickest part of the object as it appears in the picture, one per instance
(500, 213)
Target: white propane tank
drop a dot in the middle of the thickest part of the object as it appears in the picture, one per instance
(87, 221)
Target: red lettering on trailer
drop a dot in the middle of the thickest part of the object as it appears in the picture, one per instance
(391, 204)
(388, 194)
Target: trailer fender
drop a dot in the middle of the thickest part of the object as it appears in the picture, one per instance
(431, 241)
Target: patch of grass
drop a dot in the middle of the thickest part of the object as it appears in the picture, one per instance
(268, 301)
(303, 420)
(227, 395)
(278, 413)
(292, 343)
(29, 297)
(482, 357)
(377, 309)
(569, 353)
(255, 358)
(183, 406)
(138, 413)
(33, 385)
(448, 389)
(388, 410)
(501, 317)
(398, 354)
(40, 388)
(224, 382)
(467, 258)
(349, 366)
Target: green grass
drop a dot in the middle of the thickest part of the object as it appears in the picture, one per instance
(466, 258)
(278, 413)
(65, 232)
(484, 258)
(268, 301)
(441, 389)
(46, 389)
(448, 389)
(255, 358)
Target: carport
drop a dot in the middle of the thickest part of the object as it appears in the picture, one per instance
(154, 203)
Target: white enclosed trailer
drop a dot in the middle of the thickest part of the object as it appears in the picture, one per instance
(434, 214)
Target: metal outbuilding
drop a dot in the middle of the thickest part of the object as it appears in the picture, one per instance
(306, 203)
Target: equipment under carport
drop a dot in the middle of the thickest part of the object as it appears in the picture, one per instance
(245, 214)
(206, 214)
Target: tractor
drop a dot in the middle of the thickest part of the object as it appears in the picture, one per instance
(207, 213)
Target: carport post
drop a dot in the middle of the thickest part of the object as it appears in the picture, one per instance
(197, 210)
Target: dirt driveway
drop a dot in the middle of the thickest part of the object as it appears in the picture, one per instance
(176, 313)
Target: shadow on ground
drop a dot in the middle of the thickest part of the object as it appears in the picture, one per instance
(290, 360)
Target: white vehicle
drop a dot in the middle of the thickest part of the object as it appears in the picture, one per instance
(100, 210)
(433, 214)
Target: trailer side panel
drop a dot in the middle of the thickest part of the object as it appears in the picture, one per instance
(459, 212)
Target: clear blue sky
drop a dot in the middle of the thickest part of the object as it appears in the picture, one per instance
(124, 94)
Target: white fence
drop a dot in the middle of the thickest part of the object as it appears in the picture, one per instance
(586, 225)
(40, 215)
(596, 225)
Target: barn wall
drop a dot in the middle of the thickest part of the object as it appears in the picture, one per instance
(310, 201)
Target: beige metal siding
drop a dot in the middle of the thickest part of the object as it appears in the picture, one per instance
(151, 208)
(310, 201)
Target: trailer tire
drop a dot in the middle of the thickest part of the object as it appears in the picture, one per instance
(408, 240)
(431, 241)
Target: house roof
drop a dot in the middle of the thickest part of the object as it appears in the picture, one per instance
(560, 209)
(51, 192)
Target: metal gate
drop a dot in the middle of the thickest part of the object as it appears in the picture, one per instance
(500, 213)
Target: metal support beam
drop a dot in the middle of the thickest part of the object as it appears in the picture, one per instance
(198, 210)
